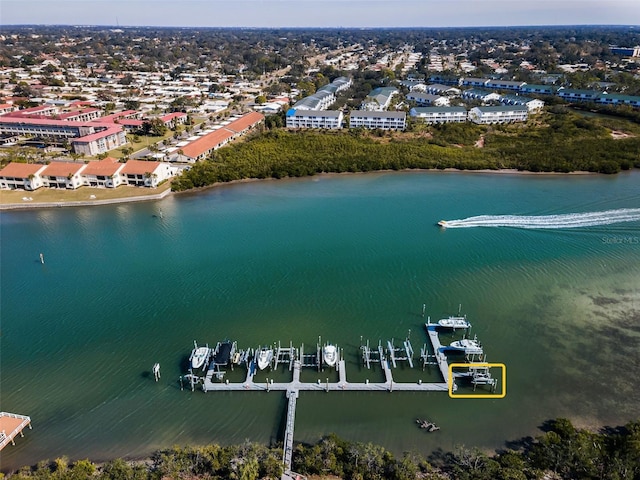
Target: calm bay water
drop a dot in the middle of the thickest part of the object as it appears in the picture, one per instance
(342, 257)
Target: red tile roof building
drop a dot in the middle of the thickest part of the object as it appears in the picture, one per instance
(201, 148)
(21, 175)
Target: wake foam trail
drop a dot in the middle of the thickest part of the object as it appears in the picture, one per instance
(569, 220)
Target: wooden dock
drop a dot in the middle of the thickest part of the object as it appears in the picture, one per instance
(12, 425)
(287, 453)
(441, 358)
(297, 359)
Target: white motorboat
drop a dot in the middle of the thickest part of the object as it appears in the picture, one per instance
(264, 357)
(442, 223)
(468, 346)
(199, 356)
(454, 322)
(330, 355)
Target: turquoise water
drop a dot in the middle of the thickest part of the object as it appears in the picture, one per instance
(343, 257)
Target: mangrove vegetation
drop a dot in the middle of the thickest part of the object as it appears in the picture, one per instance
(562, 451)
(557, 141)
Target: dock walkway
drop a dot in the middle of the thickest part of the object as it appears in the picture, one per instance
(441, 358)
(296, 360)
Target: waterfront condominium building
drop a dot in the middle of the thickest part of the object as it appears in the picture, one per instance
(439, 114)
(501, 114)
(331, 119)
(381, 120)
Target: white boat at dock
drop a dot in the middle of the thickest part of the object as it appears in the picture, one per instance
(330, 355)
(468, 346)
(264, 357)
(199, 357)
(454, 322)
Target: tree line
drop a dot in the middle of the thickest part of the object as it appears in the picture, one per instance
(561, 452)
(558, 142)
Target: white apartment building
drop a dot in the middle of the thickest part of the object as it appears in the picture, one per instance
(381, 120)
(501, 114)
(439, 114)
(331, 119)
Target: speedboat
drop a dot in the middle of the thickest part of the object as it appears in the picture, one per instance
(330, 355)
(454, 322)
(199, 356)
(468, 346)
(264, 357)
(442, 223)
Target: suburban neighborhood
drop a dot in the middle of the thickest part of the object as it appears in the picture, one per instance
(111, 120)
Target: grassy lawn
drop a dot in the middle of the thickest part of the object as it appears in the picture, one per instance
(54, 195)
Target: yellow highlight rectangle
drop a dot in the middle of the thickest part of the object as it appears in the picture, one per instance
(478, 395)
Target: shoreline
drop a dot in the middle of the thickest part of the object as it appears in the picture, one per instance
(84, 203)
(166, 193)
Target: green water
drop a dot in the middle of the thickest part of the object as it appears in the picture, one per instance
(343, 257)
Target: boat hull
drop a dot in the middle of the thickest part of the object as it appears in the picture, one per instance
(264, 359)
(330, 355)
(199, 357)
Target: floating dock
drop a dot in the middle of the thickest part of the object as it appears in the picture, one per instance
(12, 425)
(295, 359)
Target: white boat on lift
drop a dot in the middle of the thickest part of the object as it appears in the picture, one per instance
(454, 322)
(330, 355)
(468, 346)
(199, 356)
(264, 357)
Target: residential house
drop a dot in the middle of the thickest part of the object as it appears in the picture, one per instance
(379, 99)
(428, 99)
(63, 175)
(473, 82)
(146, 174)
(440, 89)
(479, 94)
(533, 105)
(103, 173)
(7, 108)
(24, 176)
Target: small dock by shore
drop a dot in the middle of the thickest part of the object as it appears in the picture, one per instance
(12, 425)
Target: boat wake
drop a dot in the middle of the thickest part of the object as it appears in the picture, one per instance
(569, 220)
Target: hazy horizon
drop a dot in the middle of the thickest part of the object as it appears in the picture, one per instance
(320, 13)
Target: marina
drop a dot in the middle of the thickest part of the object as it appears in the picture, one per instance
(329, 356)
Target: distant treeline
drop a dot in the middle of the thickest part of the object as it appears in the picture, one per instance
(561, 452)
(559, 142)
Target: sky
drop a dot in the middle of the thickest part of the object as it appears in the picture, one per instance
(320, 13)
